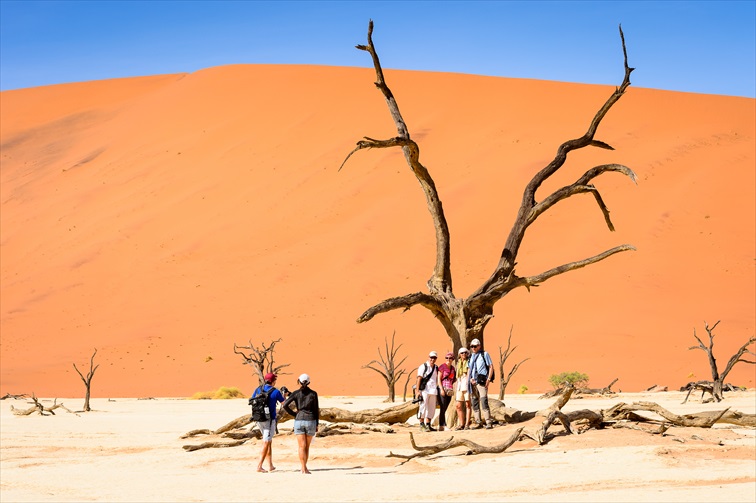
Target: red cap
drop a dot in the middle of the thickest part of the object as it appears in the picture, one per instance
(269, 377)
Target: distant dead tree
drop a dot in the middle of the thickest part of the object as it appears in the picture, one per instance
(503, 356)
(465, 319)
(716, 385)
(88, 380)
(388, 368)
(260, 359)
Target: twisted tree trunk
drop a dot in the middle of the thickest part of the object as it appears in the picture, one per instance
(465, 319)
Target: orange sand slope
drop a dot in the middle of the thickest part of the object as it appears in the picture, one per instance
(162, 219)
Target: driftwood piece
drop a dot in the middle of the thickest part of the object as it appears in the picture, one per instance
(606, 390)
(14, 397)
(473, 448)
(206, 445)
(40, 409)
(704, 419)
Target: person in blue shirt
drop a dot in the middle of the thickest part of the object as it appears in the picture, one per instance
(481, 374)
(268, 428)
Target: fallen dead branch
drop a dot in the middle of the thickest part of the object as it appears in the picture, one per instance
(14, 397)
(473, 448)
(40, 409)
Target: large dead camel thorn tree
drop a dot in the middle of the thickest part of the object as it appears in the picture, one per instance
(388, 368)
(88, 380)
(715, 386)
(465, 319)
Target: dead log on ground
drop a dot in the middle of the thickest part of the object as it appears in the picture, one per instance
(14, 397)
(606, 390)
(40, 409)
(705, 419)
(473, 448)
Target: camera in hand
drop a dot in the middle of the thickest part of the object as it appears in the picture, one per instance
(417, 399)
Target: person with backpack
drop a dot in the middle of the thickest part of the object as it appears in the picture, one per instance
(263, 404)
(306, 417)
(427, 377)
(481, 375)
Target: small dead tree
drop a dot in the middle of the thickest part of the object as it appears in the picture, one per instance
(465, 319)
(260, 359)
(388, 368)
(503, 356)
(88, 380)
(715, 386)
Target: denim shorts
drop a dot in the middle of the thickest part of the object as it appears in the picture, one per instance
(268, 429)
(305, 427)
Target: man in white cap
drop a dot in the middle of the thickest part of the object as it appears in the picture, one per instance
(427, 375)
(481, 375)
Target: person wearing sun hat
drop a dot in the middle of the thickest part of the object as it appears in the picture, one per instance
(306, 417)
(481, 375)
(268, 427)
(447, 375)
(426, 384)
(464, 409)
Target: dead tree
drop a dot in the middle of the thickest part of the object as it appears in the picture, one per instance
(715, 386)
(465, 319)
(503, 356)
(88, 380)
(389, 369)
(260, 359)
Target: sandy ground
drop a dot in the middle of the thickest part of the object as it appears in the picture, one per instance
(130, 450)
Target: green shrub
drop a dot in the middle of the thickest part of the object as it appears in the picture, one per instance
(577, 379)
(523, 389)
(222, 393)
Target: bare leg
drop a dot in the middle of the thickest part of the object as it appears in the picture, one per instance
(304, 451)
(461, 414)
(270, 457)
(264, 453)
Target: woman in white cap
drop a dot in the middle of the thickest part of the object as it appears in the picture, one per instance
(427, 376)
(464, 409)
(306, 417)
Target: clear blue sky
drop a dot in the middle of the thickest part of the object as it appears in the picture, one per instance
(693, 46)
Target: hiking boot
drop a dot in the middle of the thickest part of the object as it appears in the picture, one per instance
(423, 427)
(430, 428)
(477, 426)
(489, 426)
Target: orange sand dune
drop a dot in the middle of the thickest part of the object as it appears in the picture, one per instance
(163, 219)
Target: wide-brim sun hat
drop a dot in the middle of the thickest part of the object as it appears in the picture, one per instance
(463, 350)
(304, 379)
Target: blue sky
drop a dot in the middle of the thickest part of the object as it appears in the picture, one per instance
(693, 46)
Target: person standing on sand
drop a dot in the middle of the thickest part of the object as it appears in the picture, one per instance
(447, 375)
(268, 428)
(306, 417)
(464, 410)
(427, 377)
(481, 374)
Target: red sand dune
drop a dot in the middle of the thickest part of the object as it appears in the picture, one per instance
(162, 219)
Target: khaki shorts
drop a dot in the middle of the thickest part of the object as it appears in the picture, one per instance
(463, 396)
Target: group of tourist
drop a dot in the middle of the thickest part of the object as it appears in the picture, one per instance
(306, 418)
(466, 380)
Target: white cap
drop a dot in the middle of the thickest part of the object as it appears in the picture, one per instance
(475, 342)
(463, 350)
(433, 353)
(304, 379)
